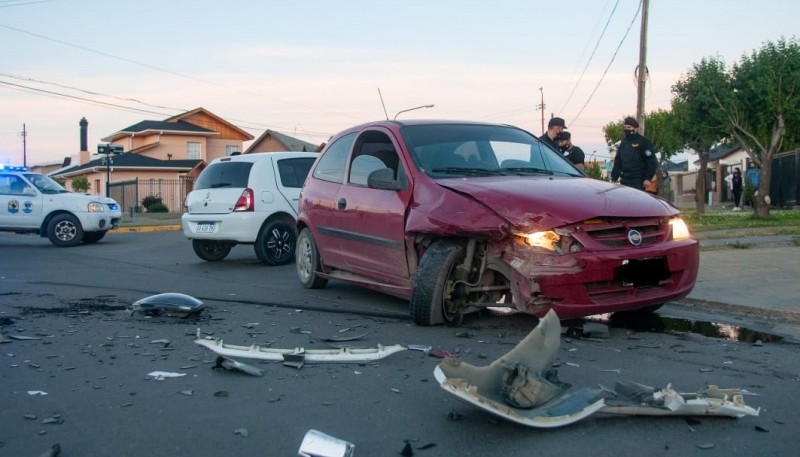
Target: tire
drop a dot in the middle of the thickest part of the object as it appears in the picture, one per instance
(93, 237)
(211, 250)
(64, 230)
(276, 243)
(432, 302)
(307, 262)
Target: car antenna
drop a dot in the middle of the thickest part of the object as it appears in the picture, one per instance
(383, 104)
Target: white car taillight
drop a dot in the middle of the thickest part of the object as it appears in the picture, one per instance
(245, 201)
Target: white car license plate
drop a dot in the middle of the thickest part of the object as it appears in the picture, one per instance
(206, 227)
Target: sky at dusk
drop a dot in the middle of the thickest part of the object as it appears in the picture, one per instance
(312, 68)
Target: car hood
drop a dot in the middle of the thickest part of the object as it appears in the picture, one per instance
(547, 202)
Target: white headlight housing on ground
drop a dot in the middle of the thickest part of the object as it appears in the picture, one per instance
(95, 207)
(680, 231)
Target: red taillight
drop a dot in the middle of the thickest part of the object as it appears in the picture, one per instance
(245, 201)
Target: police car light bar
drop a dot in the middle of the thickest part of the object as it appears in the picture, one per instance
(12, 168)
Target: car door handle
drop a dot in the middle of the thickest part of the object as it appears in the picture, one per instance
(342, 203)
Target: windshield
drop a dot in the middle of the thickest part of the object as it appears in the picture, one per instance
(459, 150)
(45, 184)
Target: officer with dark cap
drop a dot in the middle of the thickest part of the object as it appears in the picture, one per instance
(555, 126)
(635, 163)
(572, 153)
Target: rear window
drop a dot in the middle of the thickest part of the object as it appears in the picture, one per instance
(293, 172)
(224, 174)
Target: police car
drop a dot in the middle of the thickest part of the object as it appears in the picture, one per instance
(34, 203)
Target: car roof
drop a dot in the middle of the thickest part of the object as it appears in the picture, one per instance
(256, 156)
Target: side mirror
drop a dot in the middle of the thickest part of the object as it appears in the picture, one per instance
(383, 178)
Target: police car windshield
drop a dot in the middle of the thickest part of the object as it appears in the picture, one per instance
(45, 184)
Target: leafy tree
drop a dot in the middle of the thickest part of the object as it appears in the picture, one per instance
(764, 109)
(697, 103)
(80, 184)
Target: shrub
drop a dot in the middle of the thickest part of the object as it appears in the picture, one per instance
(157, 208)
(151, 200)
(80, 184)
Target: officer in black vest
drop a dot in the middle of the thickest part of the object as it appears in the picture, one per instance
(635, 162)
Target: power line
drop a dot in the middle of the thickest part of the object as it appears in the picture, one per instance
(599, 39)
(153, 67)
(609, 64)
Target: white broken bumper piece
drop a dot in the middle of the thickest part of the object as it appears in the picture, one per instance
(640, 400)
(520, 386)
(342, 355)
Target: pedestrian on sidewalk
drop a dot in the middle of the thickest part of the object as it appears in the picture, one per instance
(737, 185)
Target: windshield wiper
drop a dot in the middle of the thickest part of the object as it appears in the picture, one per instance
(468, 171)
(529, 170)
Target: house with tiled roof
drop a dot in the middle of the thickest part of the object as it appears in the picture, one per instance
(271, 141)
(158, 159)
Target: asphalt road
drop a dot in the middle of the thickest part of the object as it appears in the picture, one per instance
(92, 358)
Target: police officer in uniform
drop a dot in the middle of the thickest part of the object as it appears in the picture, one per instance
(635, 162)
(555, 126)
(572, 153)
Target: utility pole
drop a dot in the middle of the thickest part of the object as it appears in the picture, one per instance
(642, 69)
(541, 107)
(24, 146)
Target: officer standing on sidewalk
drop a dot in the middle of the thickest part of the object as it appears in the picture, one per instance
(635, 163)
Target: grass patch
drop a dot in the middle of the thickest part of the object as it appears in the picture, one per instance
(785, 221)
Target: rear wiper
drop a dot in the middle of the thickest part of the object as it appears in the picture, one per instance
(468, 171)
(219, 184)
(529, 170)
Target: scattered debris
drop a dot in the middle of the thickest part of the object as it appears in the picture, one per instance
(522, 386)
(172, 304)
(162, 375)
(318, 444)
(54, 451)
(188, 393)
(241, 432)
(345, 354)
(37, 392)
(760, 428)
(407, 451)
(23, 337)
(57, 419)
(420, 347)
(342, 339)
(705, 445)
(221, 393)
(234, 365)
(30, 417)
(294, 360)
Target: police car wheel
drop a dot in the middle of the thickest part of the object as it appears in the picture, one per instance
(65, 230)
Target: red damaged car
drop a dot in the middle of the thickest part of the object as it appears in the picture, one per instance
(457, 216)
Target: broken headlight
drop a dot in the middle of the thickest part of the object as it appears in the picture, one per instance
(547, 239)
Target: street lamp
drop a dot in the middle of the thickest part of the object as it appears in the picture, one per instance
(108, 150)
(412, 109)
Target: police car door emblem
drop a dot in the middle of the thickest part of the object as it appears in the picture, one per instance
(635, 237)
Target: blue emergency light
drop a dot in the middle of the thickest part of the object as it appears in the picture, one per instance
(12, 168)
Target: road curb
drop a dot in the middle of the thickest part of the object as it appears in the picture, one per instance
(149, 228)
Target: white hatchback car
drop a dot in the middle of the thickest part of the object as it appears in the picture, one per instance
(247, 199)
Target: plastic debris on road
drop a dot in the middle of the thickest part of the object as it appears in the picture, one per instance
(318, 444)
(171, 304)
(521, 386)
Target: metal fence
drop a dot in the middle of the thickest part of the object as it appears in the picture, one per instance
(132, 193)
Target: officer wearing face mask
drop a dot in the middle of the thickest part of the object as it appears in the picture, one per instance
(573, 153)
(635, 162)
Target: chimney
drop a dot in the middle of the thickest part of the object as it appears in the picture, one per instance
(83, 155)
(84, 142)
